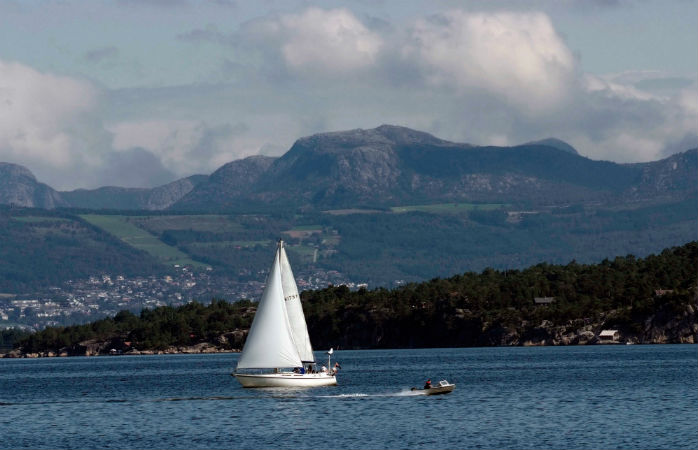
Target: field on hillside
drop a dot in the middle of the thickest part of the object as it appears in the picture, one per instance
(122, 228)
(386, 248)
(448, 208)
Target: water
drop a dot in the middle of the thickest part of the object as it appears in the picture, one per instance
(545, 397)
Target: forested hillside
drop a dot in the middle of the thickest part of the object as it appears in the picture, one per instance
(650, 300)
(39, 248)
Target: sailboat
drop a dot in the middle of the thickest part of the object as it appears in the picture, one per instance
(277, 352)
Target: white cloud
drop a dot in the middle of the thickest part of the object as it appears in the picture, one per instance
(40, 114)
(518, 57)
(496, 78)
(185, 146)
(319, 41)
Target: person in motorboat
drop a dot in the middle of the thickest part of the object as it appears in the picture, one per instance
(427, 385)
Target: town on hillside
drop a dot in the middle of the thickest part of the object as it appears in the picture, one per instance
(104, 295)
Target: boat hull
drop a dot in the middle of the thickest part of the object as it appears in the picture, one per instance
(437, 390)
(286, 379)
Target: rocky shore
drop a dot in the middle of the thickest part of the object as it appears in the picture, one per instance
(663, 327)
(226, 343)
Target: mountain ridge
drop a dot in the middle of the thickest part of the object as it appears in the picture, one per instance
(385, 166)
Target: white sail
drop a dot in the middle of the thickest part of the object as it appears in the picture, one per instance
(294, 309)
(269, 343)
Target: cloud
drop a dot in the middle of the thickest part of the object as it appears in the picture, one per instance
(45, 118)
(185, 146)
(333, 41)
(518, 57)
(493, 77)
(135, 167)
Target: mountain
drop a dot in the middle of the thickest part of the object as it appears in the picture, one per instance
(19, 187)
(111, 197)
(232, 181)
(391, 165)
(384, 167)
(555, 143)
(666, 177)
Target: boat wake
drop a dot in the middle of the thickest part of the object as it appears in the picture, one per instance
(403, 393)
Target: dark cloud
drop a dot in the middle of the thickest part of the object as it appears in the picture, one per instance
(210, 33)
(136, 167)
(101, 54)
(209, 145)
(687, 142)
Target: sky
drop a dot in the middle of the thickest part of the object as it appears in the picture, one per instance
(139, 93)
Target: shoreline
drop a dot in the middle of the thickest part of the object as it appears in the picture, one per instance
(201, 350)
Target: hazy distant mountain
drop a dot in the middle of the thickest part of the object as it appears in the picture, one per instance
(19, 187)
(111, 197)
(386, 166)
(555, 143)
(392, 165)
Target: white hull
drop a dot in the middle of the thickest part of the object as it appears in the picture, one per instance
(285, 379)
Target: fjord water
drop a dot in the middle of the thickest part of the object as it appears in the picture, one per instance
(546, 397)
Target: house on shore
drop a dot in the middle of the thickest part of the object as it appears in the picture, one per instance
(609, 336)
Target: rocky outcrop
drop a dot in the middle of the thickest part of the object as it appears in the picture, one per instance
(671, 327)
(225, 186)
(19, 187)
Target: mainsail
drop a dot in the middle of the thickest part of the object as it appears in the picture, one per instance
(294, 309)
(270, 342)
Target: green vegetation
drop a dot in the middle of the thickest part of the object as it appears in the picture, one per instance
(202, 222)
(449, 208)
(60, 247)
(40, 219)
(11, 336)
(138, 238)
(38, 248)
(472, 309)
(154, 329)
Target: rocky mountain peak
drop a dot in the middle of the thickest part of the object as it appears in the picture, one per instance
(382, 137)
(18, 186)
(15, 171)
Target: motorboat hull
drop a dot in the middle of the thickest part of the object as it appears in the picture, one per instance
(441, 388)
(436, 390)
(285, 379)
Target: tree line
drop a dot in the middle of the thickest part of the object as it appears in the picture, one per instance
(463, 310)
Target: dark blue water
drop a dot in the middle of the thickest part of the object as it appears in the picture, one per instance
(633, 397)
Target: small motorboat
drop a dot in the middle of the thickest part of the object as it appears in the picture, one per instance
(443, 387)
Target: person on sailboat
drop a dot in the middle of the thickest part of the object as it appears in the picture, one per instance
(336, 368)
